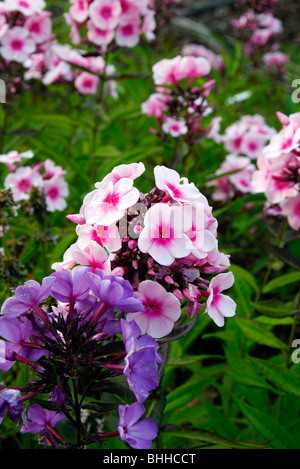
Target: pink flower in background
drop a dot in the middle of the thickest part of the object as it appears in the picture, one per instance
(155, 105)
(100, 37)
(110, 201)
(56, 190)
(17, 45)
(275, 61)
(128, 33)
(27, 7)
(105, 13)
(174, 127)
(197, 50)
(79, 10)
(219, 306)
(21, 182)
(86, 83)
(39, 26)
(161, 310)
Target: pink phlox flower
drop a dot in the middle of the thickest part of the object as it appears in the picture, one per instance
(21, 182)
(105, 236)
(163, 236)
(105, 14)
(177, 188)
(219, 306)
(56, 190)
(110, 201)
(17, 45)
(161, 310)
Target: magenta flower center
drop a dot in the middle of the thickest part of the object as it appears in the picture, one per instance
(53, 193)
(106, 12)
(127, 30)
(17, 44)
(24, 185)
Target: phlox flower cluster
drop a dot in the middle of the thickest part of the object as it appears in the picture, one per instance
(78, 331)
(178, 103)
(25, 29)
(121, 287)
(46, 177)
(278, 171)
(164, 243)
(244, 140)
(103, 22)
(257, 28)
(61, 63)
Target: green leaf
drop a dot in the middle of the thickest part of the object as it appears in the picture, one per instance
(275, 308)
(284, 379)
(209, 437)
(28, 252)
(258, 333)
(244, 274)
(281, 281)
(269, 428)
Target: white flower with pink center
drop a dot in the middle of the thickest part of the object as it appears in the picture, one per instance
(128, 33)
(100, 37)
(130, 171)
(105, 236)
(86, 83)
(291, 209)
(17, 45)
(219, 306)
(161, 310)
(105, 13)
(92, 255)
(40, 26)
(79, 10)
(178, 189)
(285, 141)
(163, 236)
(56, 190)
(27, 7)
(110, 202)
(155, 105)
(15, 157)
(175, 127)
(22, 181)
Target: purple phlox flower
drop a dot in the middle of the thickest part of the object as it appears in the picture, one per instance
(115, 292)
(138, 434)
(70, 286)
(141, 368)
(10, 402)
(131, 330)
(27, 296)
(41, 420)
(17, 334)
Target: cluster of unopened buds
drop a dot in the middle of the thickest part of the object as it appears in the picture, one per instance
(244, 141)
(139, 260)
(45, 177)
(179, 104)
(278, 174)
(102, 22)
